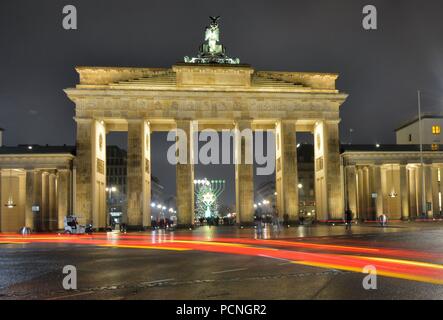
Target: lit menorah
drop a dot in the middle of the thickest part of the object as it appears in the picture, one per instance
(207, 193)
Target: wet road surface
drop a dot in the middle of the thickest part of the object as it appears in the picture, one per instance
(318, 262)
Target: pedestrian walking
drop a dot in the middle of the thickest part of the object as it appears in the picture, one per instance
(383, 219)
(276, 223)
(348, 219)
(258, 222)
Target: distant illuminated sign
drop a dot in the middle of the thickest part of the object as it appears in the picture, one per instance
(116, 214)
(35, 208)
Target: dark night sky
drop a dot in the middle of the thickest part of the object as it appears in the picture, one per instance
(381, 70)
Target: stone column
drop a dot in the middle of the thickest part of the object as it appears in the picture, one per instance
(63, 192)
(371, 190)
(435, 191)
(52, 203)
(38, 199)
(99, 212)
(419, 186)
(366, 194)
(412, 193)
(378, 190)
(351, 186)
(147, 176)
(91, 172)
(327, 171)
(185, 173)
(30, 199)
(83, 163)
(360, 199)
(286, 170)
(45, 202)
(404, 192)
(244, 173)
(138, 175)
(428, 189)
(135, 175)
(384, 189)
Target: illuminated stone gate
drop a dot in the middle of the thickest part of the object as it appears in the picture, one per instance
(218, 96)
(144, 100)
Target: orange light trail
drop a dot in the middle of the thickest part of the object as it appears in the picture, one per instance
(278, 249)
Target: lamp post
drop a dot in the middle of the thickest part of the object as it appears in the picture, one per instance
(421, 153)
(109, 191)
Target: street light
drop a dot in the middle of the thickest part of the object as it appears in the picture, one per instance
(111, 190)
(421, 153)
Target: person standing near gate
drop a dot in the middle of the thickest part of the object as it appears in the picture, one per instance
(383, 219)
(348, 219)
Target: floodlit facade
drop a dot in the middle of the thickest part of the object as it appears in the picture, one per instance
(143, 100)
(432, 134)
(391, 179)
(37, 187)
(208, 91)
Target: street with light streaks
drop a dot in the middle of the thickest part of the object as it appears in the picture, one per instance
(320, 262)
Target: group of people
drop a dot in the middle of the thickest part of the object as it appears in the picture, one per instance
(162, 223)
(274, 219)
(382, 219)
(210, 221)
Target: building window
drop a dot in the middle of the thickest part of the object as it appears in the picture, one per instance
(436, 129)
(410, 137)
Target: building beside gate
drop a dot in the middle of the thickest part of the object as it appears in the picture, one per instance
(392, 179)
(37, 187)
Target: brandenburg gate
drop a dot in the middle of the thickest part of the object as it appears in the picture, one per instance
(219, 93)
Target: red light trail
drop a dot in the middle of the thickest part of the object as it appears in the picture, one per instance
(387, 261)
